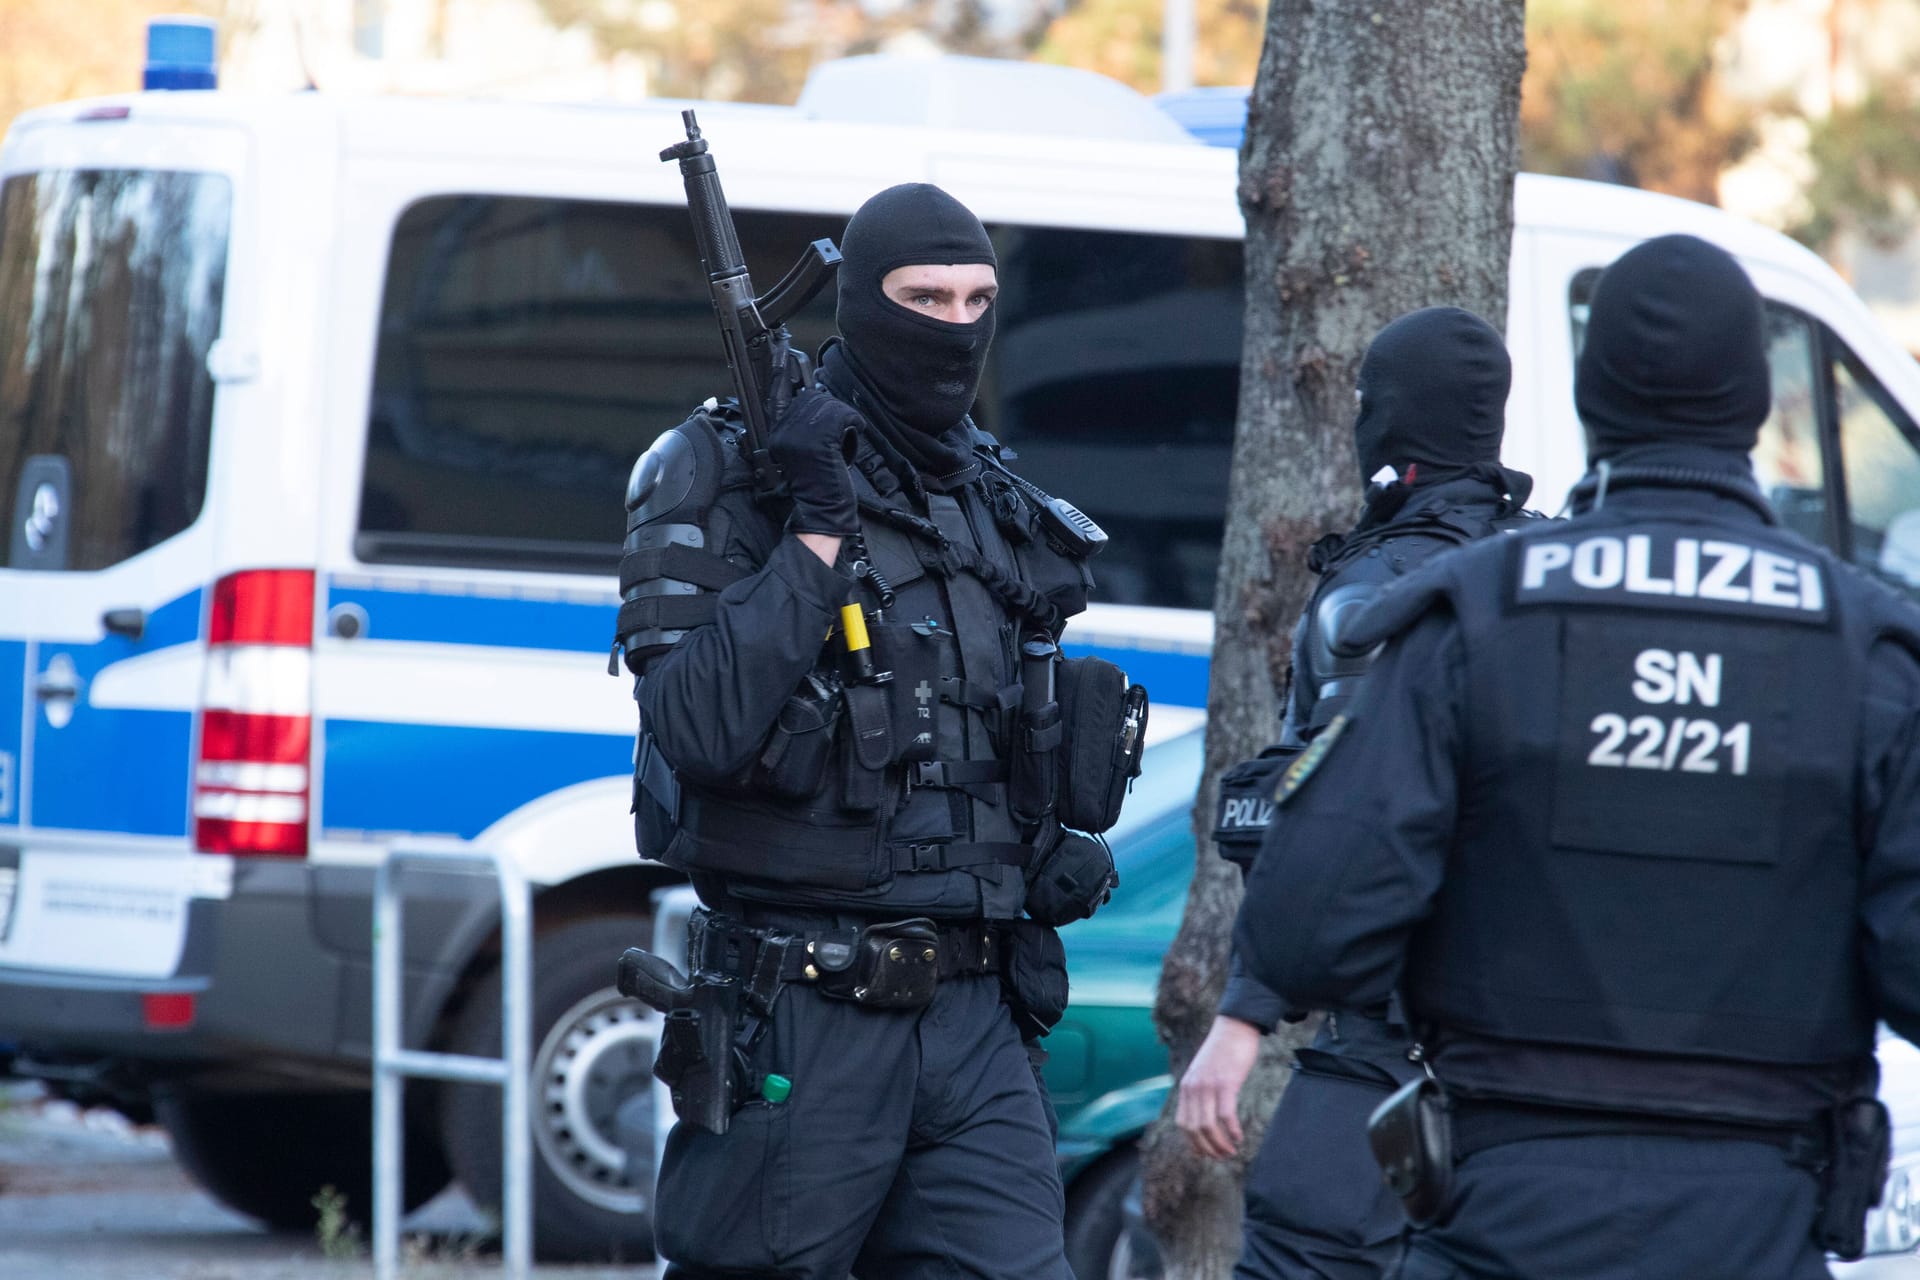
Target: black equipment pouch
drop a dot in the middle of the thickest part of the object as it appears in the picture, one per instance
(1034, 767)
(1071, 880)
(894, 965)
(869, 740)
(698, 1059)
(1411, 1134)
(656, 799)
(1104, 725)
(1860, 1149)
(794, 763)
(1246, 804)
(912, 651)
(1033, 974)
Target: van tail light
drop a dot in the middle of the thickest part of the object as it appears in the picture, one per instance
(251, 785)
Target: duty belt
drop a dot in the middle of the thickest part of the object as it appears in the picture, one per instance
(1480, 1124)
(763, 958)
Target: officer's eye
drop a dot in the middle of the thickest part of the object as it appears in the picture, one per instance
(979, 301)
(925, 300)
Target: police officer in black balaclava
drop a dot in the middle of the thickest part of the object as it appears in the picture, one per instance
(1628, 819)
(879, 876)
(1433, 397)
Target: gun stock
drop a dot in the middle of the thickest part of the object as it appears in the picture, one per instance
(752, 329)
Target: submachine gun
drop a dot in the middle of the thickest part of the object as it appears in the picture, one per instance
(700, 1058)
(765, 368)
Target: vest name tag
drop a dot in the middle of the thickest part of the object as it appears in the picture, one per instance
(1665, 571)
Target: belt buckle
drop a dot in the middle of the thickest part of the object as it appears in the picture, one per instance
(929, 773)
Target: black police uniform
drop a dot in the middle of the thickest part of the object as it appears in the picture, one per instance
(1626, 814)
(807, 802)
(1433, 390)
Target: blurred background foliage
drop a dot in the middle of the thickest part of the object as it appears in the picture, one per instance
(1646, 92)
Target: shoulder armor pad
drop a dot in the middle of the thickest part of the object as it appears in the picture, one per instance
(1395, 608)
(669, 575)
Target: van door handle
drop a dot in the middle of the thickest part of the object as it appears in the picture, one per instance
(131, 623)
(57, 683)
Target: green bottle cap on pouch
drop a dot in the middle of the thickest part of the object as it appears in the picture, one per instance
(776, 1088)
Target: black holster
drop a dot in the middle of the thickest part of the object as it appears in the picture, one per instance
(1411, 1134)
(1860, 1137)
(699, 1060)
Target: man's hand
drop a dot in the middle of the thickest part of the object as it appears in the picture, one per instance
(1208, 1110)
(812, 443)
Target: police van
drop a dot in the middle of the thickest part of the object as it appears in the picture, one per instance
(315, 417)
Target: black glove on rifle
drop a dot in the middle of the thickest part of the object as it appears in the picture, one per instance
(812, 443)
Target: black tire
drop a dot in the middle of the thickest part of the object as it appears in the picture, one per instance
(267, 1155)
(593, 1049)
(1096, 1218)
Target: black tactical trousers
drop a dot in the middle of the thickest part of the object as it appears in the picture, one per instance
(1316, 1207)
(1624, 1208)
(914, 1144)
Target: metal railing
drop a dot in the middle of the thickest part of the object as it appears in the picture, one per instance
(392, 1063)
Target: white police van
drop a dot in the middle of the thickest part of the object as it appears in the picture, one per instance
(315, 415)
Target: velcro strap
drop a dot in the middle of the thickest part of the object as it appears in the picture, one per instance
(957, 773)
(665, 613)
(681, 563)
(980, 697)
(950, 857)
(1042, 740)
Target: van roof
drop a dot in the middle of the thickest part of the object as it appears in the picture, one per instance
(788, 141)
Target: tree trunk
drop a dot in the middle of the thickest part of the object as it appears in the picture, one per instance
(1376, 177)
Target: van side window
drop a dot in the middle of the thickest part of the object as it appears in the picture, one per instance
(1878, 443)
(111, 285)
(1787, 458)
(1116, 376)
(530, 349)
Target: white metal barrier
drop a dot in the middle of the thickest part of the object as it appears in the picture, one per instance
(392, 1062)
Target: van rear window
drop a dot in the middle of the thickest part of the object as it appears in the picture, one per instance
(531, 348)
(111, 284)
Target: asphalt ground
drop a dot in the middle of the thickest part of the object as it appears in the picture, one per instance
(84, 1195)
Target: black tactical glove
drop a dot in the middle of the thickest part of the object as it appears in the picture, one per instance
(813, 443)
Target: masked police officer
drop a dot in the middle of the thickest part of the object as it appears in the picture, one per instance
(1433, 393)
(865, 819)
(1627, 814)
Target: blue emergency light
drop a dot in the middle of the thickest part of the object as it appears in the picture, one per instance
(179, 54)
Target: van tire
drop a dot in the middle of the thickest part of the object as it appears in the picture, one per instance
(267, 1155)
(1096, 1215)
(600, 1055)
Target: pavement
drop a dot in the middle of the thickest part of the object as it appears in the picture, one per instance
(86, 1195)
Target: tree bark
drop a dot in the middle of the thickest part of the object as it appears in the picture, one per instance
(1376, 178)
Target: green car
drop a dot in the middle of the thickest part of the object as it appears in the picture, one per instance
(1107, 1070)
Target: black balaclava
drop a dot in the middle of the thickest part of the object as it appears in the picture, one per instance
(1676, 352)
(1433, 392)
(923, 372)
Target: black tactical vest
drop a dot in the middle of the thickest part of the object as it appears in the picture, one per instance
(903, 807)
(1354, 567)
(1655, 847)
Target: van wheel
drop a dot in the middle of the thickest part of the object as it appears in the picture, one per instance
(593, 1050)
(267, 1155)
(1098, 1245)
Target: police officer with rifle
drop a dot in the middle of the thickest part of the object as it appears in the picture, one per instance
(1626, 814)
(1433, 399)
(860, 741)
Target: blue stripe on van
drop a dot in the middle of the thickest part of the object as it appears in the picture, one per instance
(112, 768)
(452, 780)
(121, 770)
(1172, 679)
(13, 692)
(484, 620)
